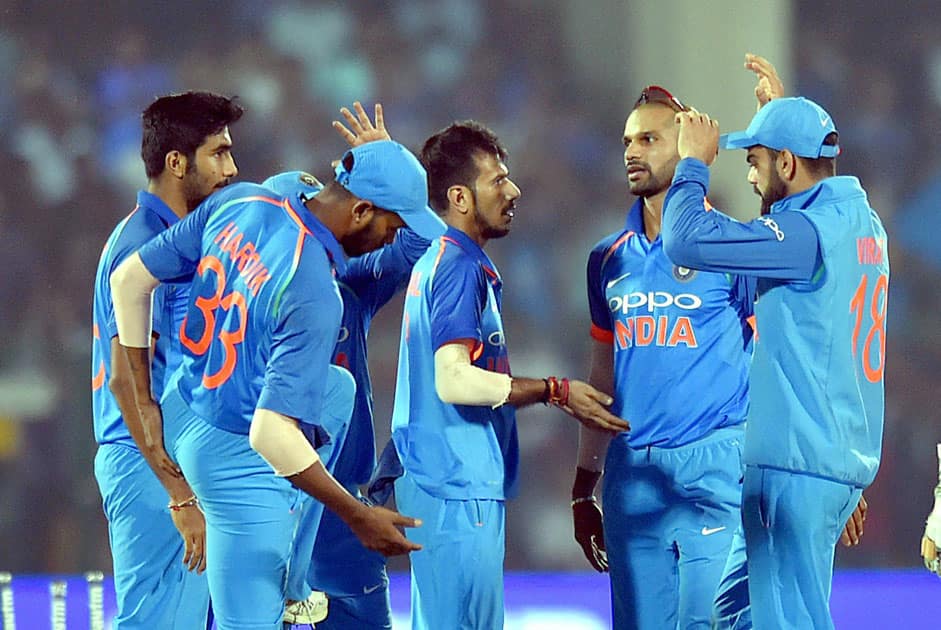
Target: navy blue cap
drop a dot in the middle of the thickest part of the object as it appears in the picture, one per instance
(796, 124)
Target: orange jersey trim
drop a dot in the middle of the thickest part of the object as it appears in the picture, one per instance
(602, 335)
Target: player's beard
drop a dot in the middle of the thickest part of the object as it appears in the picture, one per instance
(777, 190)
(656, 182)
(196, 188)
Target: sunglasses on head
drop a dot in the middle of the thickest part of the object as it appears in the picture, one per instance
(657, 94)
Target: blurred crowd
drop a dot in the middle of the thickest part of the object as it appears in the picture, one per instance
(69, 167)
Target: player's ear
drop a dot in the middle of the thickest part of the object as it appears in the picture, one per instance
(361, 213)
(175, 162)
(460, 198)
(786, 165)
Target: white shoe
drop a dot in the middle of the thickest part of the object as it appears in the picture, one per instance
(308, 611)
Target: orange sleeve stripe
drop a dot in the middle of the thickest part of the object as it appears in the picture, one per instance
(602, 335)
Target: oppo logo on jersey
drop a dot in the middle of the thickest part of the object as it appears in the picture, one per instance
(653, 300)
(344, 334)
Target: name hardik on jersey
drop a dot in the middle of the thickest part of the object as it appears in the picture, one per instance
(453, 451)
(682, 343)
(149, 218)
(368, 283)
(264, 310)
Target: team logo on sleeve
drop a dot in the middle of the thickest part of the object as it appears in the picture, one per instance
(772, 225)
(683, 274)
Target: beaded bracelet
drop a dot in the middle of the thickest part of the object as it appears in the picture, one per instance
(190, 502)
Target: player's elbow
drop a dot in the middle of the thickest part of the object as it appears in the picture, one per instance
(446, 385)
(120, 385)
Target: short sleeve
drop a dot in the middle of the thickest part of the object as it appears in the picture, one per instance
(174, 254)
(301, 349)
(458, 294)
(597, 303)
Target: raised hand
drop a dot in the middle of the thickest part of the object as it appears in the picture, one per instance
(361, 130)
(589, 406)
(377, 529)
(698, 137)
(769, 84)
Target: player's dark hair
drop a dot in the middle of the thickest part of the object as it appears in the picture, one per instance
(182, 122)
(448, 157)
(818, 168)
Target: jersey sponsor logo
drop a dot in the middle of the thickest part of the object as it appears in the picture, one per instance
(344, 334)
(683, 274)
(612, 283)
(653, 300)
(245, 257)
(368, 590)
(496, 338)
(772, 225)
(646, 330)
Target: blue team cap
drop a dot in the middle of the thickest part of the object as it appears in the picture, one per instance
(388, 175)
(294, 182)
(796, 124)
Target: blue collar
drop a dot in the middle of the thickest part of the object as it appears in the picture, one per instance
(321, 233)
(470, 246)
(635, 218)
(824, 191)
(156, 205)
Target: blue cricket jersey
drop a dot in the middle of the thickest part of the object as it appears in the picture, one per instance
(453, 451)
(368, 283)
(817, 394)
(264, 309)
(149, 218)
(685, 331)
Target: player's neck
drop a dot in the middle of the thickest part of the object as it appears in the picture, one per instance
(653, 215)
(169, 194)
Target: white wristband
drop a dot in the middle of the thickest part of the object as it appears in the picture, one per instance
(132, 289)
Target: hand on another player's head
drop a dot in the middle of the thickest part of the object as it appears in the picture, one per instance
(589, 533)
(769, 84)
(589, 406)
(698, 136)
(361, 130)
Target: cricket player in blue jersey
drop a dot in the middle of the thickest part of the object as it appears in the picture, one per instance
(255, 390)
(158, 553)
(454, 423)
(814, 431)
(674, 346)
(354, 577)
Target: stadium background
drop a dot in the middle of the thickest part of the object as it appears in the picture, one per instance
(555, 79)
